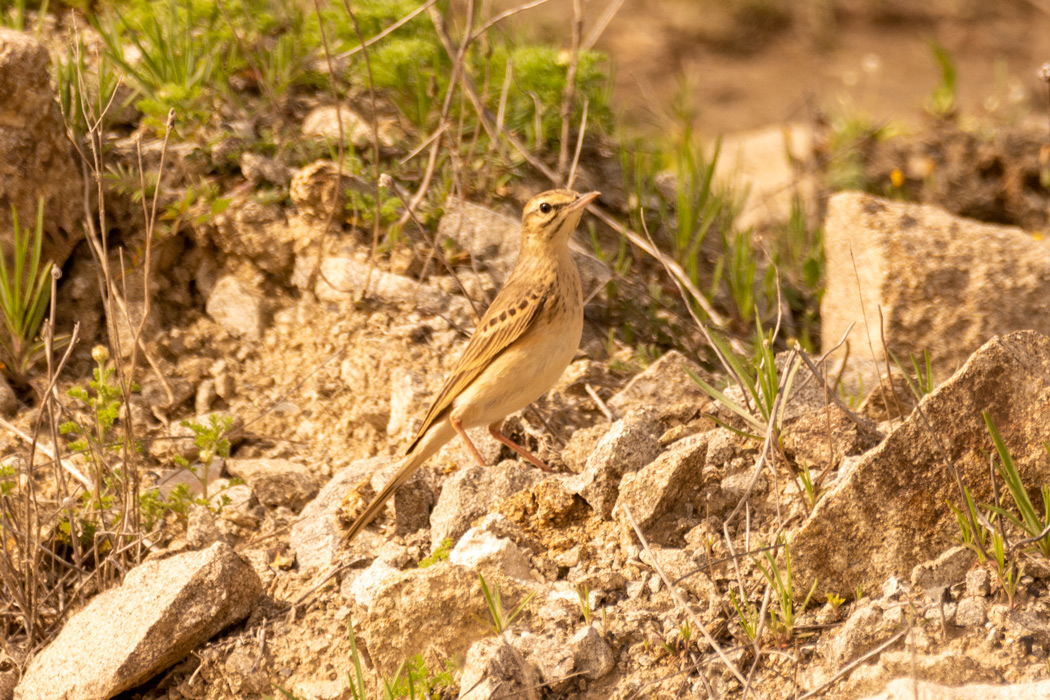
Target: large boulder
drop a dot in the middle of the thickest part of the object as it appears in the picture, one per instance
(889, 512)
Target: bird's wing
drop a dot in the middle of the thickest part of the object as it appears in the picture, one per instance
(512, 313)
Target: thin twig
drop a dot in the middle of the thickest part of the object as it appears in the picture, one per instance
(568, 97)
(681, 604)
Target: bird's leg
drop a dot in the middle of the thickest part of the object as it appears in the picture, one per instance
(458, 427)
(494, 432)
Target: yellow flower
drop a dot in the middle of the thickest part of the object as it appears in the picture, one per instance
(897, 177)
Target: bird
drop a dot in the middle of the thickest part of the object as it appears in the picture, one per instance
(522, 344)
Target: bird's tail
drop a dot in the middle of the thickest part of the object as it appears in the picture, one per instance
(438, 434)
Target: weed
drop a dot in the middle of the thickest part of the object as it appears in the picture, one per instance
(440, 553)
(782, 618)
(583, 594)
(1034, 524)
(501, 619)
(835, 601)
(747, 614)
(922, 382)
(811, 493)
(941, 103)
(975, 540)
(25, 289)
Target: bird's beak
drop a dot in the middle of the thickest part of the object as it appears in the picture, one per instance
(583, 200)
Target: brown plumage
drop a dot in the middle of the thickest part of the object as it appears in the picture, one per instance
(525, 340)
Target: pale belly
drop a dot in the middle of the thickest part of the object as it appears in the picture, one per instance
(520, 375)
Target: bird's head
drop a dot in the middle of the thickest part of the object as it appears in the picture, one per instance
(551, 217)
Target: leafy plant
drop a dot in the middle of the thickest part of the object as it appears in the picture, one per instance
(583, 594)
(25, 290)
(835, 601)
(747, 614)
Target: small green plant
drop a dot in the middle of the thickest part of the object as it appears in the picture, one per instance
(858, 592)
(811, 492)
(1032, 522)
(760, 381)
(747, 614)
(25, 290)
(782, 617)
(414, 680)
(835, 601)
(1007, 570)
(941, 103)
(922, 381)
(501, 619)
(583, 594)
(973, 539)
(440, 553)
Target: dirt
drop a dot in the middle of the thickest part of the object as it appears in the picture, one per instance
(747, 64)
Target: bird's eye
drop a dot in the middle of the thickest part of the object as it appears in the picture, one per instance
(546, 207)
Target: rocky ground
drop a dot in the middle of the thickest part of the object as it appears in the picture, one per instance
(686, 546)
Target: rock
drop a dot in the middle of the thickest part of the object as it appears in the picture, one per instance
(863, 630)
(629, 445)
(582, 443)
(406, 394)
(256, 232)
(681, 568)
(343, 278)
(164, 609)
(258, 169)
(550, 657)
(904, 253)
(948, 568)
(480, 549)
(971, 612)
(316, 536)
(909, 688)
(887, 514)
(201, 529)
(401, 621)
(657, 489)
(276, 482)
(314, 193)
(663, 383)
(820, 439)
(8, 401)
(765, 163)
(471, 492)
(236, 307)
(324, 123)
(364, 587)
(594, 658)
(36, 159)
(977, 583)
(486, 235)
(495, 669)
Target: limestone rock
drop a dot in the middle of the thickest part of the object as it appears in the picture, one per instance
(236, 307)
(658, 488)
(887, 514)
(256, 232)
(662, 384)
(402, 622)
(470, 493)
(163, 610)
(820, 439)
(629, 445)
(930, 273)
(316, 536)
(906, 689)
(276, 482)
(314, 193)
(594, 658)
(36, 159)
(487, 235)
(948, 568)
(481, 549)
(493, 669)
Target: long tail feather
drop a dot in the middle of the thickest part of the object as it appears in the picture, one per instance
(438, 434)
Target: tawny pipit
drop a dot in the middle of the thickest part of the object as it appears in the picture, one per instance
(523, 343)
